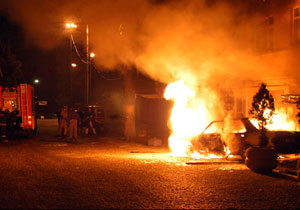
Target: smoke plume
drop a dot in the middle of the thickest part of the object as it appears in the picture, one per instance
(202, 42)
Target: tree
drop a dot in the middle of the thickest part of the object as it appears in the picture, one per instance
(10, 67)
(263, 109)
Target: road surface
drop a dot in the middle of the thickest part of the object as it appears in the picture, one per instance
(46, 172)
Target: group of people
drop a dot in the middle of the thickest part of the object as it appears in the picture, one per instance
(76, 123)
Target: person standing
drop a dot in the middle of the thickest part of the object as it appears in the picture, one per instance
(73, 119)
(3, 125)
(80, 122)
(63, 122)
(9, 125)
(90, 122)
(58, 121)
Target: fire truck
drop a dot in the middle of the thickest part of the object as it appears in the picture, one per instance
(21, 100)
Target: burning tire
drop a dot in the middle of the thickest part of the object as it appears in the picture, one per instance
(261, 159)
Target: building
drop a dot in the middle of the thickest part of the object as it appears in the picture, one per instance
(275, 39)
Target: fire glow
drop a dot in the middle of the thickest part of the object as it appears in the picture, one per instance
(280, 121)
(188, 118)
(191, 114)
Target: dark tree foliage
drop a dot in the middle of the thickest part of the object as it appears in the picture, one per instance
(298, 107)
(263, 109)
(10, 67)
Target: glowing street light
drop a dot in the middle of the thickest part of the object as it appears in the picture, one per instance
(71, 25)
(36, 81)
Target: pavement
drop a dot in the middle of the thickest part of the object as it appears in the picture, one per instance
(46, 172)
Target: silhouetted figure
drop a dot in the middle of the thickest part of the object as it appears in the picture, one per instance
(63, 122)
(73, 118)
(90, 122)
(58, 121)
(3, 125)
(9, 125)
(80, 122)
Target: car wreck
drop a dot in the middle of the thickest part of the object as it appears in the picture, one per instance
(239, 134)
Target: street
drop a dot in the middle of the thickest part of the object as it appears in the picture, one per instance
(105, 173)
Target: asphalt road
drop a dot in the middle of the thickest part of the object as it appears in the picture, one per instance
(47, 173)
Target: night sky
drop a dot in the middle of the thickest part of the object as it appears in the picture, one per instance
(36, 63)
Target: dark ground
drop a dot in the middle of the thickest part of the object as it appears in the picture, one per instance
(45, 172)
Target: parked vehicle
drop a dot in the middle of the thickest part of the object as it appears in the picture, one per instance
(240, 135)
(20, 99)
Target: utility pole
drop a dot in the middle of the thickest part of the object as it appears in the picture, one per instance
(70, 69)
(87, 66)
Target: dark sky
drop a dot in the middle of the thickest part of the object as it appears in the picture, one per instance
(36, 63)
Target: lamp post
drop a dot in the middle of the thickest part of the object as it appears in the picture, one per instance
(87, 73)
(87, 66)
(91, 56)
(71, 26)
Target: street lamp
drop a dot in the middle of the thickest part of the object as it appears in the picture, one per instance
(71, 25)
(92, 55)
(87, 66)
(36, 81)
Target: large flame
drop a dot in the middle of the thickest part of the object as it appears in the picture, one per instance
(279, 121)
(191, 114)
(188, 119)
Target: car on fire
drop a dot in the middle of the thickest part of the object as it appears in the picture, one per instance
(238, 135)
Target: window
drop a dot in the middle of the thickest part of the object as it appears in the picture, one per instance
(10, 104)
(233, 126)
(264, 35)
(296, 25)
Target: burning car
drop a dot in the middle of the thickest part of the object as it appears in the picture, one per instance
(235, 136)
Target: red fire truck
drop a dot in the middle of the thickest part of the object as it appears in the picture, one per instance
(21, 99)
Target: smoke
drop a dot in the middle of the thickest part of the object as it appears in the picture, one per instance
(201, 42)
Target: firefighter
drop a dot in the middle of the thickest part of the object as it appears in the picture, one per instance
(9, 124)
(17, 123)
(3, 125)
(80, 122)
(73, 118)
(58, 121)
(63, 122)
(90, 122)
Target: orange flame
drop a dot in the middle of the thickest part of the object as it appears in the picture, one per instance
(190, 115)
(280, 121)
(188, 118)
